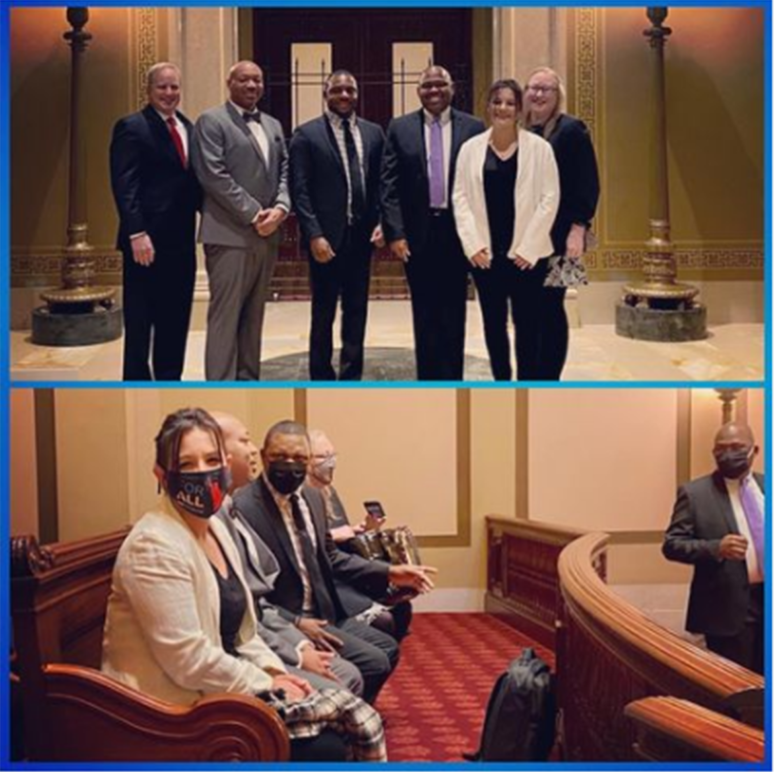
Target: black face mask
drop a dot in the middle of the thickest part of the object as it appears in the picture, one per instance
(286, 476)
(199, 493)
(733, 463)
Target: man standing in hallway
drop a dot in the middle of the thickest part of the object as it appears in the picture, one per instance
(718, 526)
(334, 172)
(418, 170)
(157, 195)
(240, 158)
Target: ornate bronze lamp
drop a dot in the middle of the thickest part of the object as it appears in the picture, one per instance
(77, 313)
(728, 399)
(659, 307)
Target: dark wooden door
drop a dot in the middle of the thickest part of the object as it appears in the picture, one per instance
(362, 41)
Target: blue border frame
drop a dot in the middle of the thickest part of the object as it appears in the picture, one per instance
(6, 384)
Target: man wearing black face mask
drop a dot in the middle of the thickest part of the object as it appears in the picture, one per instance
(718, 526)
(291, 521)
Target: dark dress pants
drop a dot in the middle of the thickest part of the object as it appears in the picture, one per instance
(438, 279)
(746, 647)
(538, 318)
(346, 275)
(395, 621)
(157, 313)
(374, 653)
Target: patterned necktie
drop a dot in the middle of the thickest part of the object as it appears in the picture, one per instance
(323, 601)
(754, 516)
(436, 164)
(177, 140)
(355, 176)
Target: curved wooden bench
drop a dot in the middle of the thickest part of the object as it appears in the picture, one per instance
(610, 654)
(58, 601)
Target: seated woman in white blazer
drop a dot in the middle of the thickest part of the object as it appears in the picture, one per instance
(506, 195)
(180, 619)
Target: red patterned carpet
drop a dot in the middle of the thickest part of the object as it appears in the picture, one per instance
(434, 702)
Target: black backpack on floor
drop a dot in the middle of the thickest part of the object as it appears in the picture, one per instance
(521, 713)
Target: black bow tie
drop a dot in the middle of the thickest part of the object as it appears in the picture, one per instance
(252, 117)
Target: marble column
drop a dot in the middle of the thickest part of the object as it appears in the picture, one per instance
(204, 42)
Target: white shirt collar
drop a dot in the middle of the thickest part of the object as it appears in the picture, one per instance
(337, 120)
(445, 116)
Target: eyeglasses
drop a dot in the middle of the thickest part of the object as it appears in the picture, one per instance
(541, 89)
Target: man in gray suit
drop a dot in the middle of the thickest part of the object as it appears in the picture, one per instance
(241, 161)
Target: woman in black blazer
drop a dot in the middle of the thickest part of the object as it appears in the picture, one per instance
(579, 182)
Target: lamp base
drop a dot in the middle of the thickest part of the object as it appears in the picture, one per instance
(657, 324)
(98, 325)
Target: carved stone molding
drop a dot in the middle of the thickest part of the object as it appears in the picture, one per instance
(697, 258)
(586, 67)
(146, 48)
(43, 268)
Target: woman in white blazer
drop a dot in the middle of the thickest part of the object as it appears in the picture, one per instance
(180, 619)
(506, 195)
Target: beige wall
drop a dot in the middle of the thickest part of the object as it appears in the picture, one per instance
(439, 460)
(24, 471)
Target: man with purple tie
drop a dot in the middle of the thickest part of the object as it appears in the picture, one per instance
(718, 526)
(420, 159)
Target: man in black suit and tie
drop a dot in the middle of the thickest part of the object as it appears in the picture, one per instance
(157, 196)
(290, 519)
(418, 169)
(718, 526)
(334, 179)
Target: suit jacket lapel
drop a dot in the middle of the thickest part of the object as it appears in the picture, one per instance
(241, 124)
(333, 146)
(723, 502)
(318, 521)
(277, 523)
(422, 146)
(160, 132)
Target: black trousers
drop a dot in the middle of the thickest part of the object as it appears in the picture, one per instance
(746, 647)
(327, 746)
(346, 275)
(438, 279)
(157, 313)
(395, 621)
(538, 317)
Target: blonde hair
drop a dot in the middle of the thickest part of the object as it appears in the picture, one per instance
(561, 98)
(154, 70)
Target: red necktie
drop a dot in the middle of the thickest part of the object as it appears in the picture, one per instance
(177, 139)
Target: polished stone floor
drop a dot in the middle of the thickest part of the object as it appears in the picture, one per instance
(732, 352)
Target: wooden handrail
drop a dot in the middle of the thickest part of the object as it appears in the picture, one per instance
(609, 654)
(589, 596)
(669, 728)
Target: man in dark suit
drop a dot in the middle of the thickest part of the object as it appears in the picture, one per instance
(334, 173)
(394, 620)
(418, 169)
(718, 526)
(157, 196)
(240, 158)
(290, 520)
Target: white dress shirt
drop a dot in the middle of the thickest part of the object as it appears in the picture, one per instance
(180, 126)
(446, 132)
(335, 122)
(257, 130)
(754, 571)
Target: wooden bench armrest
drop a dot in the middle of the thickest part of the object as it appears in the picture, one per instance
(92, 717)
(671, 729)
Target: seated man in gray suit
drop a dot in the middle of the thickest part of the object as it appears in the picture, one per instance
(241, 161)
(322, 668)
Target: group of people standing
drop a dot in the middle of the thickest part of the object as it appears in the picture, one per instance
(235, 583)
(510, 205)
